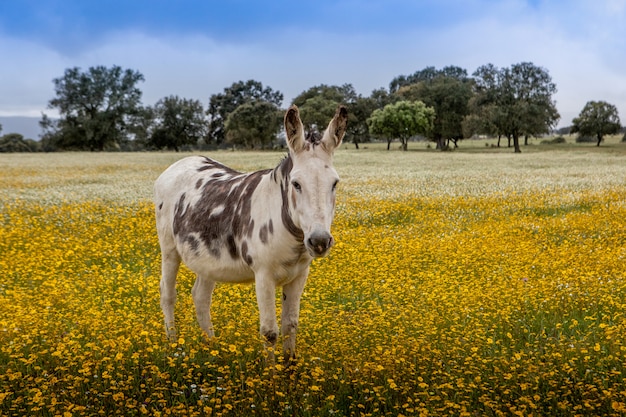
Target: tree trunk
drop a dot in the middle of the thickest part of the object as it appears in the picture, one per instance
(499, 137)
(525, 140)
(599, 139)
(388, 143)
(516, 144)
(441, 143)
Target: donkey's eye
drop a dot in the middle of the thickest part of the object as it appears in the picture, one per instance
(335, 185)
(296, 185)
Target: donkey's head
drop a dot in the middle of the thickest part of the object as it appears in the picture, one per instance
(313, 179)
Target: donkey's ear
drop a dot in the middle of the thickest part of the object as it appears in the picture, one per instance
(294, 129)
(336, 130)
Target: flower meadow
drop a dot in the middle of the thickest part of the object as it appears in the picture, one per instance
(460, 284)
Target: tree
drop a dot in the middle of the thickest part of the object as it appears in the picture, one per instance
(597, 118)
(142, 125)
(94, 107)
(402, 120)
(381, 97)
(14, 142)
(358, 113)
(178, 122)
(533, 89)
(448, 91)
(513, 102)
(51, 133)
(254, 124)
(318, 104)
(221, 105)
(400, 81)
(484, 115)
(316, 111)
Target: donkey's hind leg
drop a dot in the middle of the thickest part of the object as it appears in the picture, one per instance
(202, 293)
(170, 263)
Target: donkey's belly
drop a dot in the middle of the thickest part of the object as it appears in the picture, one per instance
(219, 270)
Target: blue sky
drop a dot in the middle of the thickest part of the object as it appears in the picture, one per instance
(195, 48)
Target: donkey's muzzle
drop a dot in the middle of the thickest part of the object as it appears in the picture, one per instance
(319, 243)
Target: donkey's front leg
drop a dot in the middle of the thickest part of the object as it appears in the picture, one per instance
(266, 299)
(290, 316)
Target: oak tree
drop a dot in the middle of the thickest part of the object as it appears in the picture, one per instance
(178, 122)
(239, 93)
(94, 107)
(597, 118)
(448, 91)
(253, 125)
(513, 102)
(402, 120)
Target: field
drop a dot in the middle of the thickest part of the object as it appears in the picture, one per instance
(475, 282)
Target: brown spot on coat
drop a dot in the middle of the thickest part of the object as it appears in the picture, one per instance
(291, 227)
(244, 253)
(250, 228)
(232, 246)
(285, 168)
(193, 242)
(178, 214)
(263, 234)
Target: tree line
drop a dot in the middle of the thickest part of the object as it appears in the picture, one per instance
(101, 109)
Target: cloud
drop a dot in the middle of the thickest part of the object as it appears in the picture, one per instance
(581, 45)
(27, 72)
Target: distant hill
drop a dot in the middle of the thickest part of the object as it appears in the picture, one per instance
(25, 126)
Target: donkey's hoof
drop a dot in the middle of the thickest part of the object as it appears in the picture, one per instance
(171, 333)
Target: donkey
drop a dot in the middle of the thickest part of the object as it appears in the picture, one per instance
(263, 227)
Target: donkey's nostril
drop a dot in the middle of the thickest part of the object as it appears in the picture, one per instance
(320, 242)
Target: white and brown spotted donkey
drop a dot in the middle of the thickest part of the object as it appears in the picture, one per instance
(263, 227)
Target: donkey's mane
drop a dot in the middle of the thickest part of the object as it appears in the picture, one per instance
(314, 137)
(283, 168)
